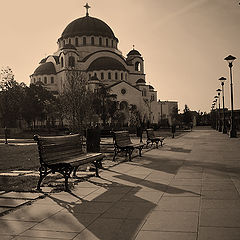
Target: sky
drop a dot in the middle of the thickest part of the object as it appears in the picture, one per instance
(183, 42)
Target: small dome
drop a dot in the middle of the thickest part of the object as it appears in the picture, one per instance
(68, 46)
(45, 69)
(140, 81)
(43, 60)
(106, 63)
(134, 53)
(87, 26)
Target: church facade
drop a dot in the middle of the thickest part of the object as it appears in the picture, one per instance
(89, 45)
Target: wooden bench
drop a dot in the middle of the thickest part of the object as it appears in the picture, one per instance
(123, 143)
(151, 138)
(63, 154)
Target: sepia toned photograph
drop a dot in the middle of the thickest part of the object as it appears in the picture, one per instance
(120, 120)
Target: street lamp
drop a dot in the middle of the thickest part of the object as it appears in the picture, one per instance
(219, 109)
(216, 115)
(232, 132)
(222, 79)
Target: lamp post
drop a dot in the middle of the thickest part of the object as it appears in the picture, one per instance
(219, 111)
(232, 132)
(216, 113)
(212, 116)
(224, 129)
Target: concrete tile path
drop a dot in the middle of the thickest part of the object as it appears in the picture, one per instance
(187, 190)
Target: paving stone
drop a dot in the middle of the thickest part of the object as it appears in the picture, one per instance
(48, 234)
(172, 221)
(9, 174)
(9, 227)
(157, 235)
(32, 238)
(217, 233)
(222, 204)
(143, 196)
(4, 209)
(129, 210)
(67, 221)
(220, 218)
(188, 176)
(178, 204)
(218, 186)
(32, 213)
(21, 195)
(102, 228)
(64, 197)
(8, 202)
(220, 194)
(183, 191)
(92, 207)
(6, 237)
(187, 182)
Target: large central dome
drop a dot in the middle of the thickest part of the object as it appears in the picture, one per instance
(87, 26)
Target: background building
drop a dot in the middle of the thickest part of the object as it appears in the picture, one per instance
(89, 45)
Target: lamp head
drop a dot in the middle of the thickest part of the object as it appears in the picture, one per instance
(222, 79)
(230, 58)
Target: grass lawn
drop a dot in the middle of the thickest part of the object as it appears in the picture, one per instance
(18, 157)
(25, 157)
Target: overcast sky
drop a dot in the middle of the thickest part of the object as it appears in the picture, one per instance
(183, 42)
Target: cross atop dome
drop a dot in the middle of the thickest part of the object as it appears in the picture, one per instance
(87, 7)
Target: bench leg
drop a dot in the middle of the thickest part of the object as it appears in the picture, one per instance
(157, 144)
(140, 152)
(115, 153)
(66, 173)
(96, 168)
(43, 173)
(129, 151)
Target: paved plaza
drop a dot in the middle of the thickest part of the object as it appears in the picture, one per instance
(189, 189)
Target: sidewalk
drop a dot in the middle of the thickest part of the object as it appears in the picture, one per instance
(187, 190)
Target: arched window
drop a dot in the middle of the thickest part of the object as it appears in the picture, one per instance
(52, 79)
(45, 80)
(116, 75)
(92, 40)
(84, 41)
(76, 42)
(106, 42)
(71, 61)
(109, 75)
(121, 76)
(137, 66)
(89, 75)
(69, 41)
(62, 62)
(102, 75)
(123, 105)
(144, 93)
(112, 43)
(100, 41)
(34, 80)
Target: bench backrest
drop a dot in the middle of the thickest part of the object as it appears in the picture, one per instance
(58, 148)
(150, 133)
(121, 138)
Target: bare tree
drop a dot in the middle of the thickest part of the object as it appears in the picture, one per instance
(77, 100)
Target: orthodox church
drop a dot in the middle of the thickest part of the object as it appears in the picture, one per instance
(89, 45)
